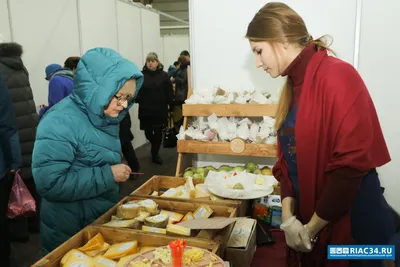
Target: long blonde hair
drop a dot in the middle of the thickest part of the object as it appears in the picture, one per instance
(278, 23)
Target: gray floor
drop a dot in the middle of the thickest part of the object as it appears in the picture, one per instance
(25, 254)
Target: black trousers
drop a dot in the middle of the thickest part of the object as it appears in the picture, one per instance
(5, 250)
(129, 154)
(154, 135)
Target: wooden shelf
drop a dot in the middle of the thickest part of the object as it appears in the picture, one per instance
(223, 148)
(229, 110)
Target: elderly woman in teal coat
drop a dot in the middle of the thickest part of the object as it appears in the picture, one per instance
(77, 156)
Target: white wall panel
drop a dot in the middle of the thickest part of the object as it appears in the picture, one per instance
(5, 29)
(150, 32)
(98, 24)
(378, 65)
(47, 37)
(173, 45)
(130, 46)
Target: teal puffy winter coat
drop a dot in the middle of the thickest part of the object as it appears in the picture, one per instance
(76, 144)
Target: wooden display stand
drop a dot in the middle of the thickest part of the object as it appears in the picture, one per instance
(237, 147)
(113, 236)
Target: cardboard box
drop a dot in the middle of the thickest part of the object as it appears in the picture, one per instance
(242, 244)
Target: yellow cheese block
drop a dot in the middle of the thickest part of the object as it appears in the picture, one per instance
(173, 216)
(154, 230)
(203, 212)
(95, 243)
(177, 230)
(120, 250)
(94, 253)
(172, 192)
(190, 187)
(76, 260)
(188, 216)
(202, 191)
(100, 261)
(128, 210)
(75, 253)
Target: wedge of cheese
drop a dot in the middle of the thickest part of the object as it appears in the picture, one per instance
(173, 216)
(94, 253)
(94, 243)
(154, 194)
(184, 193)
(190, 187)
(101, 261)
(76, 260)
(202, 191)
(174, 229)
(120, 250)
(133, 223)
(73, 252)
(172, 192)
(203, 212)
(188, 216)
(154, 230)
(159, 221)
(149, 205)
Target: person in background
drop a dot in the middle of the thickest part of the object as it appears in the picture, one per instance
(186, 54)
(173, 69)
(181, 89)
(61, 82)
(77, 156)
(154, 99)
(126, 137)
(17, 80)
(10, 161)
(330, 143)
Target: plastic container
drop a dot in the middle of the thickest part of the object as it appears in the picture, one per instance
(177, 249)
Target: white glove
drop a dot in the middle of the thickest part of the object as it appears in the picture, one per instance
(296, 235)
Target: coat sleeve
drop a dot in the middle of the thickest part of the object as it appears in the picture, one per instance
(56, 91)
(9, 138)
(353, 135)
(53, 155)
(280, 173)
(169, 91)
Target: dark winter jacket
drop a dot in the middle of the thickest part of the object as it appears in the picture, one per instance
(17, 81)
(181, 85)
(10, 151)
(125, 133)
(154, 97)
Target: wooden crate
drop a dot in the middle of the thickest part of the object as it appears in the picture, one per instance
(224, 148)
(163, 183)
(179, 207)
(113, 236)
(229, 110)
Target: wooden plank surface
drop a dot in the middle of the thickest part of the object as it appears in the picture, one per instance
(113, 236)
(223, 148)
(229, 110)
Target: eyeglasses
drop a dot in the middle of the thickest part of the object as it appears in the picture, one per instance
(122, 99)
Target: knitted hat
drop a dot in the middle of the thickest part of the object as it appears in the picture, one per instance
(152, 56)
(51, 69)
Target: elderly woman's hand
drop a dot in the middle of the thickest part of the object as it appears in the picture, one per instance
(121, 172)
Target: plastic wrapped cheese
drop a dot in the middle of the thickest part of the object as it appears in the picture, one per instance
(154, 230)
(202, 191)
(75, 253)
(172, 192)
(190, 187)
(178, 230)
(76, 260)
(188, 216)
(173, 216)
(159, 221)
(101, 261)
(203, 212)
(94, 253)
(120, 250)
(128, 210)
(149, 205)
